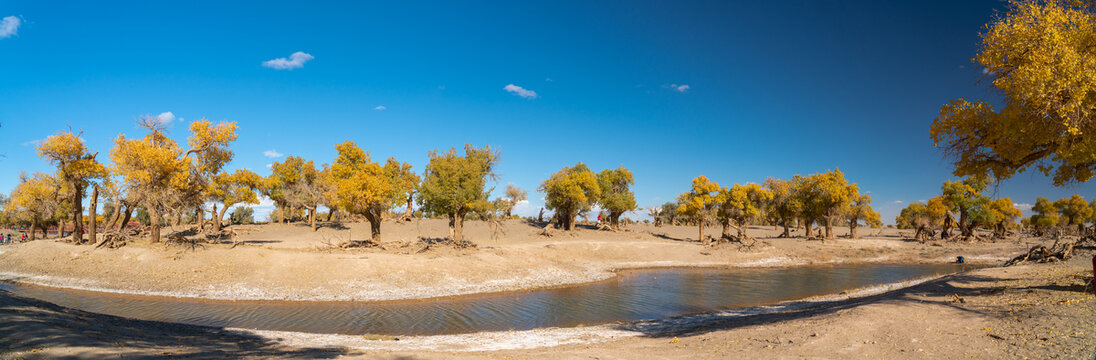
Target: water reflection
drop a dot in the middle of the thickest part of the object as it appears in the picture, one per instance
(635, 295)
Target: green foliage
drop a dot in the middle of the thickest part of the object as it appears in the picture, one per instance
(142, 216)
(616, 194)
(1046, 214)
(741, 204)
(454, 185)
(242, 215)
(1074, 210)
(570, 191)
(785, 204)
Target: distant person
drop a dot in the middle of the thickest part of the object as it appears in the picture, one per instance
(23, 237)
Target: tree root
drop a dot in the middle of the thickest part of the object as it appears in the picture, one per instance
(360, 244)
(1060, 251)
(113, 239)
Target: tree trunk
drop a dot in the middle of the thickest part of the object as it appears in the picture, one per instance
(807, 226)
(199, 215)
(852, 229)
(965, 227)
(726, 222)
(154, 224)
(33, 225)
(92, 218)
(125, 217)
(787, 231)
(115, 216)
(614, 219)
(829, 228)
(312, 217)
(409, 213)
(77, 215)
(220, 218)
(741, 231)
(215, 222)
(540, 215)
(700, 228)
(374, 224)
(60, 229)
(330, 213)
(456, 221)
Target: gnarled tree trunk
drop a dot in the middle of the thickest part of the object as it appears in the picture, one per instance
(77, 215)
(33, 225)
(154, 224)
(220, 218)
(92, 218)
(374, 217)
(125, 217)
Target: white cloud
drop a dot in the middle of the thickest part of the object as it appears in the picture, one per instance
(34, 142)
(1023, 207)
(269, 165)
(272, 154)
(679, 88)
(295, 61)
(520, 91)
(9, 26)
(164, 118)
(897, 202)
(548, 79)
(380, 107)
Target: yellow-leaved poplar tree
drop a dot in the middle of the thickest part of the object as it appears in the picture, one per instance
(361, 185)
(1041, 57)
(77, 169)
(700, 202)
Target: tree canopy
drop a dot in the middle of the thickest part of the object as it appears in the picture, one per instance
(616, 193)
(1041, 57)
(570, 191)
(455, 185)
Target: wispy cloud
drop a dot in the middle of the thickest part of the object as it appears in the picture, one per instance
(679, 88)
(1023, 207)
(380, 107)
(548, 79)
(9, 26)
(164, 118)
(272, 154)
(296, 60)
(897, 202)
(34, 142)
(520, 91)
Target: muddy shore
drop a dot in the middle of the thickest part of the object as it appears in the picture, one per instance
(1030, 311)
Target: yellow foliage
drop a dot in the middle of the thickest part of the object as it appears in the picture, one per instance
(1042, 58)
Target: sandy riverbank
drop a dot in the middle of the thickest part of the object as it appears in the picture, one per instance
(289, 262)
(1039, 311)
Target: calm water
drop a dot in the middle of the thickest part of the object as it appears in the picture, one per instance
(635, 295)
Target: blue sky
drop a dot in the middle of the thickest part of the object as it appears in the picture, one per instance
(737, 91)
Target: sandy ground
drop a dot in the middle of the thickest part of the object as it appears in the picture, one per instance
(1033, 311)
(1042, 311)
(289, 262)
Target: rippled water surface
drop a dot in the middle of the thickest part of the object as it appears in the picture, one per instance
(635, 295)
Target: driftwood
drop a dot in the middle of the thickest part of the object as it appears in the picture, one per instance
(113, 239)
(1060, 251)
